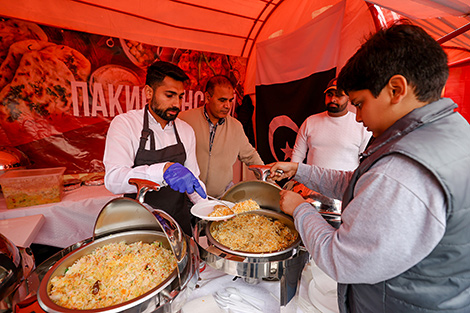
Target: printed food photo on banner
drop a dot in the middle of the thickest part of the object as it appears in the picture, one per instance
(59, 89)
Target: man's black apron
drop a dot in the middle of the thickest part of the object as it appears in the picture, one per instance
(166, 199)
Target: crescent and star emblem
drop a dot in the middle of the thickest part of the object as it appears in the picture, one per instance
(281, 121)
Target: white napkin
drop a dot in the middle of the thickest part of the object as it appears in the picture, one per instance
(213, 280)
(22, 230)
(204, 304)
(322, 291)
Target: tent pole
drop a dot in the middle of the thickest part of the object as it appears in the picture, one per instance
(462, 62)
(374, 11)
(454, 34)
(260, 28)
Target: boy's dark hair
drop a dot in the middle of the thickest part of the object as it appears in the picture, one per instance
(217, 80)
(403, 49)
(160, 69)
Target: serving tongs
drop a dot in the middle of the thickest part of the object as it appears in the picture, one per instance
(262, 172)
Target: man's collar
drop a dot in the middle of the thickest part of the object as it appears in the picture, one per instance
(154, 120)
(220, 122)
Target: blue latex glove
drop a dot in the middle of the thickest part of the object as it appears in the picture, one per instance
(181, 179)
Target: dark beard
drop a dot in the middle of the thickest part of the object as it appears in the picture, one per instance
(335, 109)
(164, 113)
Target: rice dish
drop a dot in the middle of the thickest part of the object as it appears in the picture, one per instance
(240, 207)
(221, 210)
(112, 274)
(245, 206)
(251, 232)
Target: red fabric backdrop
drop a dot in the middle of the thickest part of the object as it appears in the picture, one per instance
(458, 89)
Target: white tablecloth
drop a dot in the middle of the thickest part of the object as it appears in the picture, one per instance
(212, 281)
(68, 221)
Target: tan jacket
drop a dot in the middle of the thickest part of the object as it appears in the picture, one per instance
(230, 143)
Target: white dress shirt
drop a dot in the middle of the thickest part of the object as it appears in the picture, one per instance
(122, 143)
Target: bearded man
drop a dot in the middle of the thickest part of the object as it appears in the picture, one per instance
(331, 139)
(153, 144)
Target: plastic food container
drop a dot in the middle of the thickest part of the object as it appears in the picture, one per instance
(22, 188)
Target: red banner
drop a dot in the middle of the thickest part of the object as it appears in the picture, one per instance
(59, 89)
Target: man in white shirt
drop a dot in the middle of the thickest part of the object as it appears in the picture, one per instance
(153, 144)
(331, 139)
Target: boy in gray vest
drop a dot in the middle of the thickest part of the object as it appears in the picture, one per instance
(404, 241)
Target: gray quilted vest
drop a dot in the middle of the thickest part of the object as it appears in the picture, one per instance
(439, 139)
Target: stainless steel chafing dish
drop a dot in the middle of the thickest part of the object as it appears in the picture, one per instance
(329, 208)
(15, 265)
(125, 219)
(285, 266)
(273, 215)
(12, 158)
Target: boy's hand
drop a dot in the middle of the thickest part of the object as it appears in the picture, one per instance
(282, 170)
(289, 201)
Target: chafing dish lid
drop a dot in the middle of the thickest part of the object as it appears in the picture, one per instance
(124, 214)
(11, 158)
(10, 266)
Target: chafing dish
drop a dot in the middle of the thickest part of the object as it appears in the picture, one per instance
(125, 219)
(285, 266)
(12, 158)
(15, 265)
(328, 207)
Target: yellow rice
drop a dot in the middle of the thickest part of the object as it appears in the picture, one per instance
(240, 207)
(112, 274)
(253, 233)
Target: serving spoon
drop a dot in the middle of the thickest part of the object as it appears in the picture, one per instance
(218, 200)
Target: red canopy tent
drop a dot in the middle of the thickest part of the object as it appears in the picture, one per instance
(236, 27)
